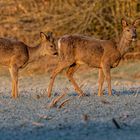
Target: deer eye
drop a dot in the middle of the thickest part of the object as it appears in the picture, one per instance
(51, 46)
(128, 30)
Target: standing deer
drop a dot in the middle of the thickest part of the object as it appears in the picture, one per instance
(74, 50)
(16, 54)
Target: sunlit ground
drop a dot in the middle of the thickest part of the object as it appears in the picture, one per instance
(90, 117)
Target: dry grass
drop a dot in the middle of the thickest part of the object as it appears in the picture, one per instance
(101, 18)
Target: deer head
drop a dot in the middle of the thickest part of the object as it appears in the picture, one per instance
(47, 43)
(129, 31)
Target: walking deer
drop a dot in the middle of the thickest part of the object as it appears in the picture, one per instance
(15, 55)
(75, 50)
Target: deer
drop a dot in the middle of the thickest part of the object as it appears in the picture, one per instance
(75, 50)
(15, 55)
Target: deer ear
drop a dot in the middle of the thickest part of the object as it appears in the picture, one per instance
(43, 36)
(136, 22)
(49, 35)
(124, 23)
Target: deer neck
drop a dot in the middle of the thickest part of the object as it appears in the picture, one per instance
(124, 45)
(34, 53)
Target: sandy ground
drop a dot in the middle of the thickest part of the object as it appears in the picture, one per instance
(86, 118)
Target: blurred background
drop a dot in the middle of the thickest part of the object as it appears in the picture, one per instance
(24, 19)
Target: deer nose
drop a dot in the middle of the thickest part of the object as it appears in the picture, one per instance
(134, 36)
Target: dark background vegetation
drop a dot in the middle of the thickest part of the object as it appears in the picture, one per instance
(24, 19)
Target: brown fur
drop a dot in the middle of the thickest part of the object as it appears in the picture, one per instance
(75, 50)
(16, 54)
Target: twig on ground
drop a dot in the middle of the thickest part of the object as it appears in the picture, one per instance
(55, 100)
(85, 117)
(38, 124)
(64, 102)
(105, 101)
(45, 117)
(116, 123)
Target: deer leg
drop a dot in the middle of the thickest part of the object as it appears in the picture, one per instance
(106, 70)
(100, 82)
(69, 74)
(59, 68)
(14, 75)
